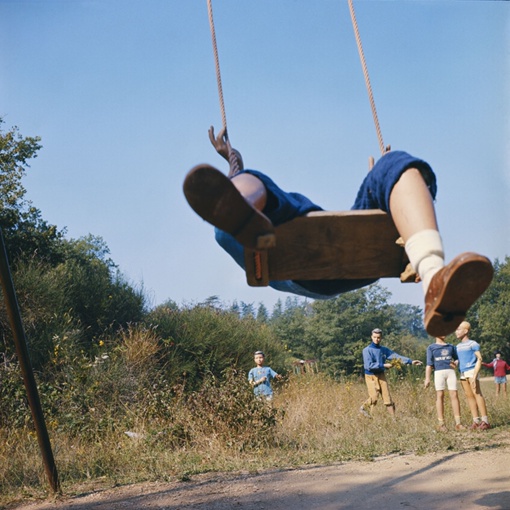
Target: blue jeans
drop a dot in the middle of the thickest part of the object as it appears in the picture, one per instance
(283, 206)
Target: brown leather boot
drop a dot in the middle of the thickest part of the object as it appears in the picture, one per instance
(213, 196)
(453, 290)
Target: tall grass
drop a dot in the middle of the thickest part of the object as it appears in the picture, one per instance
(222, 427)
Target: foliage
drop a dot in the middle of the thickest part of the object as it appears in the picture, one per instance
(238, 418)
(336, 331)
(207, 339)
(289, 324)
(65, 288)
(26, 233)
(489, 317)
(222, 427)
(78, 299)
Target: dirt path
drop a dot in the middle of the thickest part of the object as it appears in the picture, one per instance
(473, 480)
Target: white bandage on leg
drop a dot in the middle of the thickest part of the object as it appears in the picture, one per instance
(426, 254)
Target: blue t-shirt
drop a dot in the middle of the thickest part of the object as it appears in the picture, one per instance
(440, 356)
(466, 353)
(257, 373)
(375, 356)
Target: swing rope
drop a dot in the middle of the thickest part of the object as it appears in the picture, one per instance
(367, 78)
(232, 158)
(234, 165)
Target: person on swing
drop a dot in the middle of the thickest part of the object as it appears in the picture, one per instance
(247, 205)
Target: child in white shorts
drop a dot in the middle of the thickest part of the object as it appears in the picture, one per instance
(442, 357)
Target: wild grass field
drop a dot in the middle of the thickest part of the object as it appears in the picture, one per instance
(222, 428)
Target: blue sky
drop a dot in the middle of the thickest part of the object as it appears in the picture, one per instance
(122, 93)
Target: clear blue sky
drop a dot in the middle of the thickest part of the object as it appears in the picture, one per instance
(122, 93)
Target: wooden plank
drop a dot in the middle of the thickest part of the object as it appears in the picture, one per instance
(331, 245)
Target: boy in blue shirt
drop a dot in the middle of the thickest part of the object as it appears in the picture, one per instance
(260, 377)
(375, 362)
(470, 362)
(441, 358)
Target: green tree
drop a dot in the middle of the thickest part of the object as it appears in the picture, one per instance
(277, 309)
(94, 290)
(79, 300)
(247, 310)
(26, 234)
(63, 286)
(289, 324)
(262, 314)
(339, 329)
(489, 317)
(411, 319)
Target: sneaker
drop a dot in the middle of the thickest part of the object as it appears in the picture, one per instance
(364, 412)
(484, 426)
(460, 427)
(442, 428)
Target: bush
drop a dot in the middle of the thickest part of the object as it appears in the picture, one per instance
(204, 340)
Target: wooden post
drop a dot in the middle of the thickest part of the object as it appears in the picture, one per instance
(20, 342)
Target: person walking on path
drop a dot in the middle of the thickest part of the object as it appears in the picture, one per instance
(500, 368)
(470, 362)
(376, 360)
(441, 358)
(260, 377)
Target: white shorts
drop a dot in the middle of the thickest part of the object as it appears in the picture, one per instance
(468, 374)
(445, 379)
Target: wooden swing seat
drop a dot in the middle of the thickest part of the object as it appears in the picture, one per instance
(331, 245)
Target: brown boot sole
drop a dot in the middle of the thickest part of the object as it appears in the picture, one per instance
(213, 196)
(453, 290)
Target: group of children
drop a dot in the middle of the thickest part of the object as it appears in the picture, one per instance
(442, 360)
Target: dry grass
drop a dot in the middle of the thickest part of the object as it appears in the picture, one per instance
(317, 422)
(139, 346)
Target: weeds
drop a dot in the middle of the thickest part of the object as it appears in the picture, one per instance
(223, 427)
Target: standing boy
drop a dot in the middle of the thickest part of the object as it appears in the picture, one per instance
(441, 358)
(500, 367)
(470, 362)
(375, 362)
(260, 377)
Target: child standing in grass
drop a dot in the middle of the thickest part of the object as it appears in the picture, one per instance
(500, 367)
(470, 362)
(441, 358)
(260, 377)
(376, 360)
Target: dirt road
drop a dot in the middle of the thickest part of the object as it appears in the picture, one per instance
(472, 480)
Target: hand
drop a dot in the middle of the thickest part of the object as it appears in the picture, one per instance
(472, 382)
(417, 362)
(387, 365)
(427, 383)
(219, 142)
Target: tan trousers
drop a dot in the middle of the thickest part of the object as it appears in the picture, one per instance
(377, 387)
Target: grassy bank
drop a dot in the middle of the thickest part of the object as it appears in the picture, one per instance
(311, 421)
